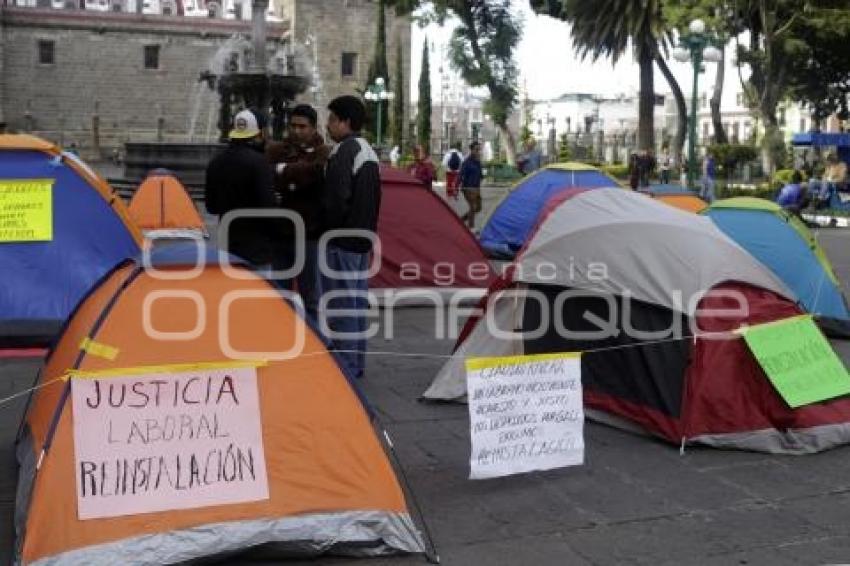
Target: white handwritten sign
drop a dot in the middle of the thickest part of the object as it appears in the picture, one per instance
(165, 440)
(526, 413)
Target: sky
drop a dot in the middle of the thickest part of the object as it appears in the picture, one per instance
(549, 66)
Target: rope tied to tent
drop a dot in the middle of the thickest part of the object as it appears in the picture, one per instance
(730, 335)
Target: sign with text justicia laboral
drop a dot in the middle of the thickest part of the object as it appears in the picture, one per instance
(526, 413)
(158, 439)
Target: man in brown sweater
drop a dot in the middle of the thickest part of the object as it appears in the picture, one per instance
(299, 164)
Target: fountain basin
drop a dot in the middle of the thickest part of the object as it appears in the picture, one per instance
(188, 161)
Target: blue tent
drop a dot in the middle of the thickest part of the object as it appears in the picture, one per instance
(772, 237)
(515, 216)
(45, 277)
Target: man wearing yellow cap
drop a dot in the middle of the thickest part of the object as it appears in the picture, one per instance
(240, 177)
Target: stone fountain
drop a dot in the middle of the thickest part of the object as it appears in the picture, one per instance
(247, 83)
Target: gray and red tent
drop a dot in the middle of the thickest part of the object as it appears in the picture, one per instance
(651, 295)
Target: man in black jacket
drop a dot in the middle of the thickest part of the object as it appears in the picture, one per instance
(350, 201)
(240, 177)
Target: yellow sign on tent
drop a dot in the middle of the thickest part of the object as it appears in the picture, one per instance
(26, 210)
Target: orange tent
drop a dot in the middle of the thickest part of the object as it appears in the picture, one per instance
(161, 205)
(329, 486)
(689, 203)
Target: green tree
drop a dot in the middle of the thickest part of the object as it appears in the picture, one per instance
(822, 81)
(525, 132)
(398, 102)
(378, 68)
(423, 117)
(606, 28)
(482, 47)
(786, 38)
(564, 152)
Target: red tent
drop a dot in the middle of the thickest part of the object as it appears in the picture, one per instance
(423, 242)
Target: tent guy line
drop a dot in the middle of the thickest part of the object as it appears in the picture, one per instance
(730, 335)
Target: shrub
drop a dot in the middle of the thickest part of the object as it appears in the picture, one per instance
(762, 190)
(405, 161)
(782, 177)
(617, 171)
(729, 156)
(564, 153)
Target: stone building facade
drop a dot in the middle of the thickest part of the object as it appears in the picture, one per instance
(99, 79)
(342, 38)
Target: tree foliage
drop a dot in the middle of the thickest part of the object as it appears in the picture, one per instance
(797, 49)
(605, 29)
(378, 68)
(525, 132)
(423, 116)
(481, 50)
(398, 102)
(821, 80)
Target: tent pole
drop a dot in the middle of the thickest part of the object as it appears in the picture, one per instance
(430, 549)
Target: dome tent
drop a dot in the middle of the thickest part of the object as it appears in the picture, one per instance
(785, 245)
(162, 208)
(330, 486)
(88, 232)
(513, 219)
(670, 284)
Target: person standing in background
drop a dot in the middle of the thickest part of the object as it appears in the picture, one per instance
(469, 180)
(452, 161)
(530, 161)
(299, 163)
(351, 200)
(708, 176)
(422, 168)
(665, 164)
(240, 177)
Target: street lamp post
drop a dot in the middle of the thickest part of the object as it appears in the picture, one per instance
(378, 94)
(696, 47)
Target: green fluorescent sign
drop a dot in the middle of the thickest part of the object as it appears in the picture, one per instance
(798, 360)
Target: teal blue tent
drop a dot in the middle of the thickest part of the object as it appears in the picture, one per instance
(783, 244)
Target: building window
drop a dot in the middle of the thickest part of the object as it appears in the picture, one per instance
(349, 64)
(803, 125)
(739, 98)
(46, 51)
(151, 56)
(704, 101)
(705, 129)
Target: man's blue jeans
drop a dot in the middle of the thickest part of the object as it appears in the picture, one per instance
(707, 192)
(347, 330)
(308, 279)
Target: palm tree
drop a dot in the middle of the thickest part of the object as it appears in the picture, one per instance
(606, 28)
